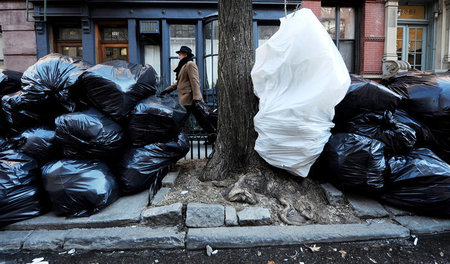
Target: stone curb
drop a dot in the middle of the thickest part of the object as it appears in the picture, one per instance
(244, 237)
(94, 239)
(139, 237)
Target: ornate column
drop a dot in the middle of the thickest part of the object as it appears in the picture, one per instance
(390, 62)
(446, 19)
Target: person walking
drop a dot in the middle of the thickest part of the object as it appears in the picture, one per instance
(188, 86)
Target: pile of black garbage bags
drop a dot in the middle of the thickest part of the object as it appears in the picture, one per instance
(74, 137)
(392, 142)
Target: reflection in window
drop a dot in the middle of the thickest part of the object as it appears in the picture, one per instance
(211, 44)
(72, 51)
(116, 53)
(180, 35)
(265, 32)
(68, 41)
(114, 33)
(340, 25)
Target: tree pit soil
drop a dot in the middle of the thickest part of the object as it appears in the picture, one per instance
(291, 200)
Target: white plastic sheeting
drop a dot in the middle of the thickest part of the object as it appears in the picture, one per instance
(299, 77)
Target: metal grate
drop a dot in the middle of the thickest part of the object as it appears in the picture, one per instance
(149, 27)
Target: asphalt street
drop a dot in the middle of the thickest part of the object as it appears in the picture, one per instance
(423, 249)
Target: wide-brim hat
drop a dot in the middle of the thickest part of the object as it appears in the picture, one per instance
(185, 49)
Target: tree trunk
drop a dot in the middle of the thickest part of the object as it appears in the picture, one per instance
(237, 104)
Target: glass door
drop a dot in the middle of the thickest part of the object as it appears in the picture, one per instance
(411, 44)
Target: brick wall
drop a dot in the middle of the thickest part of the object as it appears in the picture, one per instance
(372, 37)
(314, 5)
(19, 40)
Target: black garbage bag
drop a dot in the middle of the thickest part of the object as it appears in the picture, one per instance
(356, 161)
(205, 117)
(398, 138)
(115, 87)
(427, 98)
(4, 144)
(88, 134)
(156, 119)
(39, 143)
(423, 134)
(419, 182)
(21, 111)
(365, 96)
(10, 81)
(142, 168)
(52, 77)
(20, 188)
(79, 187)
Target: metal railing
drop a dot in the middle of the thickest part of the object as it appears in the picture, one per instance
(199, 147)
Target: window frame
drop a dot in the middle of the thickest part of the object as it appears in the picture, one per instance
(101, 44)
(356, 41)
(60, 43)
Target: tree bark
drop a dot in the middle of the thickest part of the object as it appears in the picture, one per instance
(237, 104)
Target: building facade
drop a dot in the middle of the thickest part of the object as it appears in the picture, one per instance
(376, 38)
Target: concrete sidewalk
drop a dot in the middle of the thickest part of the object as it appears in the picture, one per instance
(129, 224)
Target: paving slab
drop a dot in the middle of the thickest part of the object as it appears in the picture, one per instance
(230, 216)
(45, 240)
(169, 215)
(334, 196)
(365, 207)
(125, 238)
(254, 215)
(395, 211)
(159, 196)
(205, 215)
(423, 224)
(256, 236)
(126, 210)
(13, 240)
(170, 179)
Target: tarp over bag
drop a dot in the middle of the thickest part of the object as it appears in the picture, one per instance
(299, 77)
(141, 168)
(156, 119)
(419, 182)
(20, 190)
(115, 87)
(79, 187)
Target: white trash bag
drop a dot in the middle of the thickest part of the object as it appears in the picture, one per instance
(299, 77)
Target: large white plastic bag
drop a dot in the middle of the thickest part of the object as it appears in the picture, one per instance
(299, 77)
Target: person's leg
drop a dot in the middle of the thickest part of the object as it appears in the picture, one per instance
(186, 128)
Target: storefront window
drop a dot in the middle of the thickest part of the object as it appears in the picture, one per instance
(265, 32)
(180, 35)
(113, 38)
(340, 24)
(68, 41)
